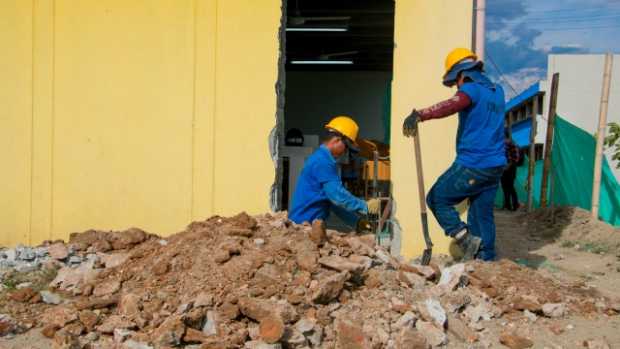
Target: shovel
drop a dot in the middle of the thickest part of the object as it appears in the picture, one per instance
(428, 252)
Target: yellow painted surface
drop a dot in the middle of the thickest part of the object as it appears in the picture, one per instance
(144, 113)
(153, 113)
(247, 65)
(425, 31)
(15, 120)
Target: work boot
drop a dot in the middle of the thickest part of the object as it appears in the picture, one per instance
(469, 244)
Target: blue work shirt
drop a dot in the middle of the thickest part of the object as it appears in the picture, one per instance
(319, 188)
(480, 136)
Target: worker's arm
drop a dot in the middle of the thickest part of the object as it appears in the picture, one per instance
(458, 102)
(339, 196)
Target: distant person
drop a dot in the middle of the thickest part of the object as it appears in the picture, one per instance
(319, 190)
(513, 157)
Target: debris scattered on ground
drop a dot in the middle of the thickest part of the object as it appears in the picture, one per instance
(263, 282)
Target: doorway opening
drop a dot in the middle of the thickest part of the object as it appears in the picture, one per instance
(339, 57)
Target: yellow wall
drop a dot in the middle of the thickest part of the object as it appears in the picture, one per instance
(141, 113)
(151, 113)
(424, 33)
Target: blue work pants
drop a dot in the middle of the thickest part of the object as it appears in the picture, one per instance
(479, 186)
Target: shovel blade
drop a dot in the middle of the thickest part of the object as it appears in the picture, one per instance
(426, 256)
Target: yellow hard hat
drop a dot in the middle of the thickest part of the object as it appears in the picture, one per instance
(345, 126)
(457, 55)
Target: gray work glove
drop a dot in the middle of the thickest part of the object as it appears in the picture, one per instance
(410, 126)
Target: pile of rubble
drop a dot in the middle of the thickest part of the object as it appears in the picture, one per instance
(24, 259)
(264, 283)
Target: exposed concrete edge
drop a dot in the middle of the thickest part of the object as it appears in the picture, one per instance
(277, 133)
(396, 243)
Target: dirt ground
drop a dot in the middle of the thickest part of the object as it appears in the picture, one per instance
(564, 246)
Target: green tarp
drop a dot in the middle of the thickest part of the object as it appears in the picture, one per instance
(572, 170)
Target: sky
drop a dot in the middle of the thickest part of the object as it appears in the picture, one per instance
(521, 33)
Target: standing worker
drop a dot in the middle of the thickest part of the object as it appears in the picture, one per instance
(480, 158)
(513, 156)
(319, 188)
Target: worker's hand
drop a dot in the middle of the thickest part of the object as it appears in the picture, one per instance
(410, 126)
(374, 205)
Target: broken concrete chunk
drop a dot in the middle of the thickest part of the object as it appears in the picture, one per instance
(170, 332)
(194, 336)
(350, 336)
(411, 279)
(554, 310)
(360, 247)
(316, 337)
(460, 330)
(129, 304)
(58, 251)
(409, 338)
(22, 295)
(210, 326)
(257, 309)
(69, 278)
(523, 303)
(341, 264)
(271, 329)
(478, 312)
(8, 326)
(121, 334)
(114, 322)
(363, 260)
(408, 320)
(386, 258)
(221, 256)
(89, 319)
(329, 288)
(131, 344)
(203, 300)
(436, 313)
(424, 270)
(307, 259)
(258, 344)
(228, 312)
(50, 298)
(530, 316)
(433, 335)
(451, 278)
(305, 325)
(115, 259)
(514, 341)
(59, 316)
(293, 338)
(106, 288)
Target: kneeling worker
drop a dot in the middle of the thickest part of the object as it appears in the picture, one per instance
(319, 188)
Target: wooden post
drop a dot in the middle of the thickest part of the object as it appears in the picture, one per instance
(532, 154)
(553, 100)
(600, 139)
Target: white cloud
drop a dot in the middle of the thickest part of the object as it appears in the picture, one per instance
(521, 80)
